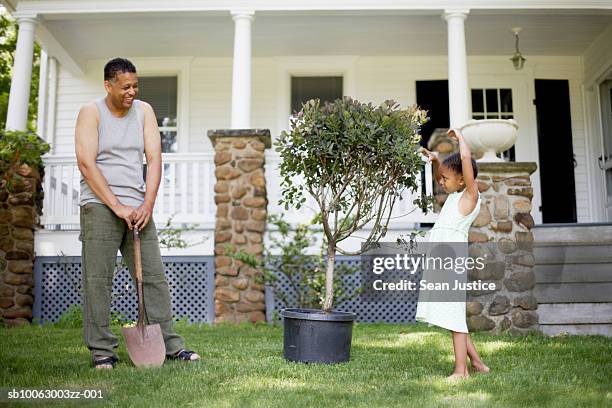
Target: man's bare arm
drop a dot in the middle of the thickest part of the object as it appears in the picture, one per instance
(86, 146)
(152, 145)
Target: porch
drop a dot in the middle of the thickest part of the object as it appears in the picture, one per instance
(234, 69)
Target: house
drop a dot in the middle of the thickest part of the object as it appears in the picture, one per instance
(235, 64)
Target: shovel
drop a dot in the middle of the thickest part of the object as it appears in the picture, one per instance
(145, 344)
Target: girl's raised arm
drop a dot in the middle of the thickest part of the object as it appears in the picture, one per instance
(471, 187)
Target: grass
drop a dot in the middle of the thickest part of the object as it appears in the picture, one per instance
(391, 366)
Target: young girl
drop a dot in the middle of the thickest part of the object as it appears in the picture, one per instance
(456, 175)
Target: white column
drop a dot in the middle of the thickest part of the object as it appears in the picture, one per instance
(241, 75)
(42, 96)
(19, 97)
(458, 97)
(51, 102)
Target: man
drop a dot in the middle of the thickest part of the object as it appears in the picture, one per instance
(112, 133)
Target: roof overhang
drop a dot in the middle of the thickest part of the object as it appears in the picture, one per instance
(160, 6)
(77, 31)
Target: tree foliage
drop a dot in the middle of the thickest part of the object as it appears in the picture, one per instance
(356, 160)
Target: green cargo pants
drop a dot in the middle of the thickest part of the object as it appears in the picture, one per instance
(102, 234)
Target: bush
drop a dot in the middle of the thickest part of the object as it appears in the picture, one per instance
(19, 147)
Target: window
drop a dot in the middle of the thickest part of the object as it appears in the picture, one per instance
(161, 93)
(494, 103)
(320, 87)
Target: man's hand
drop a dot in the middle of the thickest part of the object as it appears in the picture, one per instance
(431, 156)
(142, 215)
(127, 213)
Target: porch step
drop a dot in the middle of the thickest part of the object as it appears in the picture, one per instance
(575, 234)
(567, 253)
(578, 329)
(575, 313)
(574, 278)
(573, 292)
(578, 272)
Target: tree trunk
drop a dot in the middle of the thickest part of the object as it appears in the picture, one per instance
(329, 277)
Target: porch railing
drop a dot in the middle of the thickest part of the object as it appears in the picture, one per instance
(405, 214)
(185, 192)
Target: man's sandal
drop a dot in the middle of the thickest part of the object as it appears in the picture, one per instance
(105, 363)
(184, 355)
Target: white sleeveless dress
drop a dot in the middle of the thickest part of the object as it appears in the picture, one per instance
(451, 226)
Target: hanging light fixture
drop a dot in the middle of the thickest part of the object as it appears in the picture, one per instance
(517, 59)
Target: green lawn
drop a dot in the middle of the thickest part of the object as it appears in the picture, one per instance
(391, 366)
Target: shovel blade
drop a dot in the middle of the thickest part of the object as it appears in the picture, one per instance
(145, 345)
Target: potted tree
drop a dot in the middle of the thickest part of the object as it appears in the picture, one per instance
(356, 160)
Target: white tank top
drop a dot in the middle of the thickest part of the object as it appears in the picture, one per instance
(120, 155)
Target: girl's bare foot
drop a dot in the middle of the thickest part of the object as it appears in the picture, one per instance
(458, 375)
(480, 368)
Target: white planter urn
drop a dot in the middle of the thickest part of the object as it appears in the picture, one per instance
(490, 136)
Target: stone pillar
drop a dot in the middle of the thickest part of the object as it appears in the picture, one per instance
(19, 97)
(241, 74)
(20, 205)
(457, 68)
(241, 199)
(502, 233)
(504, 224)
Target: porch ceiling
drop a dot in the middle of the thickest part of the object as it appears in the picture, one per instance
(98, 36)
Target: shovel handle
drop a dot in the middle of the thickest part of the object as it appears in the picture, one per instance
(137, 255)
(138, 267)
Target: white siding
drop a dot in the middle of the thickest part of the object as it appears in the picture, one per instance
(210, 99)
(72, 93)
(264, 101)
(382, 78)
(210, 92)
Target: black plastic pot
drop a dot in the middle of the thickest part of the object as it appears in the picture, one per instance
(313, 336)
